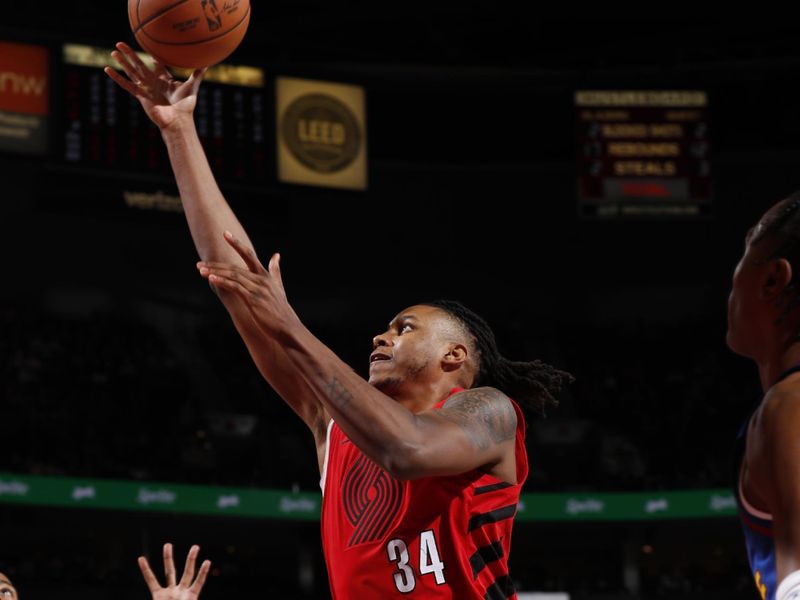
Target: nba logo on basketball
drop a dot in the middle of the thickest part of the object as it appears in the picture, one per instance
(173, 31)
(213, 18)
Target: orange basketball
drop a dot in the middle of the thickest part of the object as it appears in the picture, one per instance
(189, 33)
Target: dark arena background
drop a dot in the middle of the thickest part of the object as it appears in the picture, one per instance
(586, 186)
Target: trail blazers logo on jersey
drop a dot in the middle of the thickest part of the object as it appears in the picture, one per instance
(372, 499)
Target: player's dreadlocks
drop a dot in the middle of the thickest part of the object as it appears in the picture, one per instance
(782, 230)
(533, 384)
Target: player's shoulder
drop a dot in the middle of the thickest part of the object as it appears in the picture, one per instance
(784, 393)
(484, 394)
(485, 401)
(781, 405)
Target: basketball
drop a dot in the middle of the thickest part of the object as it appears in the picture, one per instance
(189, 33)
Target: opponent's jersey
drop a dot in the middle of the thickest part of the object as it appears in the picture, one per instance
(435, 537)
(757, 528)
(757, 525)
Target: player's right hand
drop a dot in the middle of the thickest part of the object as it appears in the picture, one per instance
(185, 589)
(166, 100)
(260, 288)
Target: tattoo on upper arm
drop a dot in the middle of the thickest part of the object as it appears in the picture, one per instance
(485, 415)
(338, 394)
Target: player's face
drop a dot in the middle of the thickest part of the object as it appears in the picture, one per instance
(7, 589)
(409, 350)
(747, 317)
(741, 305)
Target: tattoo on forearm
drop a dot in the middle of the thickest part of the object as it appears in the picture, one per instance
(338, 394)
(485, 415)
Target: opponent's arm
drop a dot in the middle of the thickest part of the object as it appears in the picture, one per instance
(781, 423)
(474, 429)
(170, 105)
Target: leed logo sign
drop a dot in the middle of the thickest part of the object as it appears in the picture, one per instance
(322, 133)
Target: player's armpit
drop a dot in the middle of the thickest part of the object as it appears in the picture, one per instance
(474, 429)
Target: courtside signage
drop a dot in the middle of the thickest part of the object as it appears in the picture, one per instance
(24, 97)
(282, 504)
(322, 133)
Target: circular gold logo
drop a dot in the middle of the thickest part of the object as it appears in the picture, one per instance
(321, 132)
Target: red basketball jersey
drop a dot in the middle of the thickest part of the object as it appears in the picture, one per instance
(435, 537)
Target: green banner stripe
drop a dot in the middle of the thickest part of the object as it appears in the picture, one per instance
(278, 504)
(625, 507)
(167, 497)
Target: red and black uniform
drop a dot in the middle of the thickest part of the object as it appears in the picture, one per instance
(435, 537)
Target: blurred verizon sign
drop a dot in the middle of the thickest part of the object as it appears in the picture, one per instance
(24, 74)
(322, 133)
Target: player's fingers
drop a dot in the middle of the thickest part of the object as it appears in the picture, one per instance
(132, 72)
(188, 569)
(149, 576)
(122, 82)
(231, 272)
(228, 284)
(198, 584)
(249, 282)
(196, 78)
(127, 65)
(161, 71)
(134, 59)
(246, 252)
(169, 565)
(218, 268)
(275, 268)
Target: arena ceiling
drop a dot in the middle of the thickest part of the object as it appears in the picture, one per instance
(443, 33)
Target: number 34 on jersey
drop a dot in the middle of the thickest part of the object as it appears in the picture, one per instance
(429, 562)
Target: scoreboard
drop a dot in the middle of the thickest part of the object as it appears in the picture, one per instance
(640, 152)
(643, 153)
(104, 127)
(100, 148)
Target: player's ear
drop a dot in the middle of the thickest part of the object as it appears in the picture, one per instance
(777, 276)
(455, 357)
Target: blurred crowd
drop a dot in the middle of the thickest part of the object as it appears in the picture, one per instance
(118, 394)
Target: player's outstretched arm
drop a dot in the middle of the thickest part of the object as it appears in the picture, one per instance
(189, 586)
(170, 105)
(474, 428)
